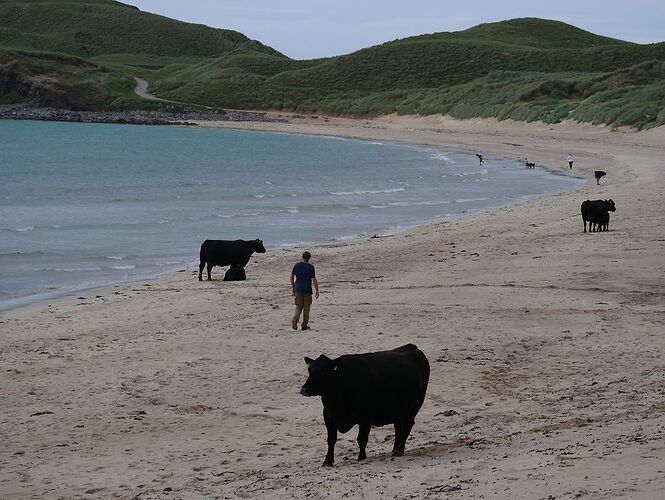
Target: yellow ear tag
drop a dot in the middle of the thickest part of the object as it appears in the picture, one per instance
(307, 367)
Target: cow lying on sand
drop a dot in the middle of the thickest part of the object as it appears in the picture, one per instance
(235, 273)
(596, 213)
(373, 389)
(227, 253)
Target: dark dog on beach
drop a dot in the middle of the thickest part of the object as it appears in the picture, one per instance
(529, 164)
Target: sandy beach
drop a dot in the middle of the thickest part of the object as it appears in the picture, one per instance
(545, 344)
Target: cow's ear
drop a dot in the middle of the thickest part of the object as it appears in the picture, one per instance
(308, 363)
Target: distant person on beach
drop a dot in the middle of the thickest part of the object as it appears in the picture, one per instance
(571, 160)
(302, 277)
(480, 158)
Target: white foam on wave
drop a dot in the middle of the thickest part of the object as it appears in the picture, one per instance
(23, 229)
(123, 268)
(442, 157)
(469, 200)
(419, 203)
(70, 269)
(114, 257)
(368, 191)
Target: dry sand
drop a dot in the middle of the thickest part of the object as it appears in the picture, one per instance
(546, 347)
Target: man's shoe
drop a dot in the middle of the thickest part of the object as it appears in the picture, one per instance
(305, 327)
(294, 324)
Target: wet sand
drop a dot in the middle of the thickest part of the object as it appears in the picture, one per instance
(545, 343)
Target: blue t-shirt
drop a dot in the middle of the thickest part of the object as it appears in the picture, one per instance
(304, 274)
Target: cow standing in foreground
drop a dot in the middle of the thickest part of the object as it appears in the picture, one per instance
(373, 389)
(227, 253)
(596, 212)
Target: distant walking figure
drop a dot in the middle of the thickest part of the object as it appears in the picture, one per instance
(302, 277)
(480, 158)
(599, 174)
(571, 160)
(529, 164)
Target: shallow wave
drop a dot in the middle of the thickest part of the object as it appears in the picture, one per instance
(123, 268)
(419, 203)
(24, 229)
(469, 200)
(368, 191)
(441, 156)
(22, 254)
(69, 269)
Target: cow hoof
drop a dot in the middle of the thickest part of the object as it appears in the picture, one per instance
(361, 458)
(327, 463)
(397, 453)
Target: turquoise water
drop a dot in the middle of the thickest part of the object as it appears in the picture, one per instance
(87, 205)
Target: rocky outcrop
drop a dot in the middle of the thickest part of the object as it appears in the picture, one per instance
(172, 116)
(32, 92)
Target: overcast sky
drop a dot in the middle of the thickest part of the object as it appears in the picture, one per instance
(318, 28)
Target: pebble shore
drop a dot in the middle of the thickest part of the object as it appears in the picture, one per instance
(177, 116)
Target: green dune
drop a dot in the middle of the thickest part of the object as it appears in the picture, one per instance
(85, 54)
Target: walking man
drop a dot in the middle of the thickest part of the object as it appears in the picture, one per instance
(480, 157)
(571, 160)
(302, 277)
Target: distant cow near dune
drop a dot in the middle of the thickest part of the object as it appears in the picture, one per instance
(598, 174)
(372, 389)
(596, 213)
(227, 253)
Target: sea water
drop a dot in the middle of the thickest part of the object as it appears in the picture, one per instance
(88, 205)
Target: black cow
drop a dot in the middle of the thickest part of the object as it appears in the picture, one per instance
(595, 213)
(598, 174)
(227, 253)
(371, 389)
(603, 223)
(235, 273)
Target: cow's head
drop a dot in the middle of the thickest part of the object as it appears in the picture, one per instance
(258, 246)
(609, 205)
(321, 371)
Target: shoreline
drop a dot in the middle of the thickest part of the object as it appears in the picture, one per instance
(544, 343)
(338, 240)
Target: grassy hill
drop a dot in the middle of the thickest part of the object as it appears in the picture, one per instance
(84, 54)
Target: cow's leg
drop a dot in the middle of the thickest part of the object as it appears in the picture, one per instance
(332, 439)
(584, 220)
(398, 438)
(209, 269)
(363, 436)
(201, 266)
(406, 430)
